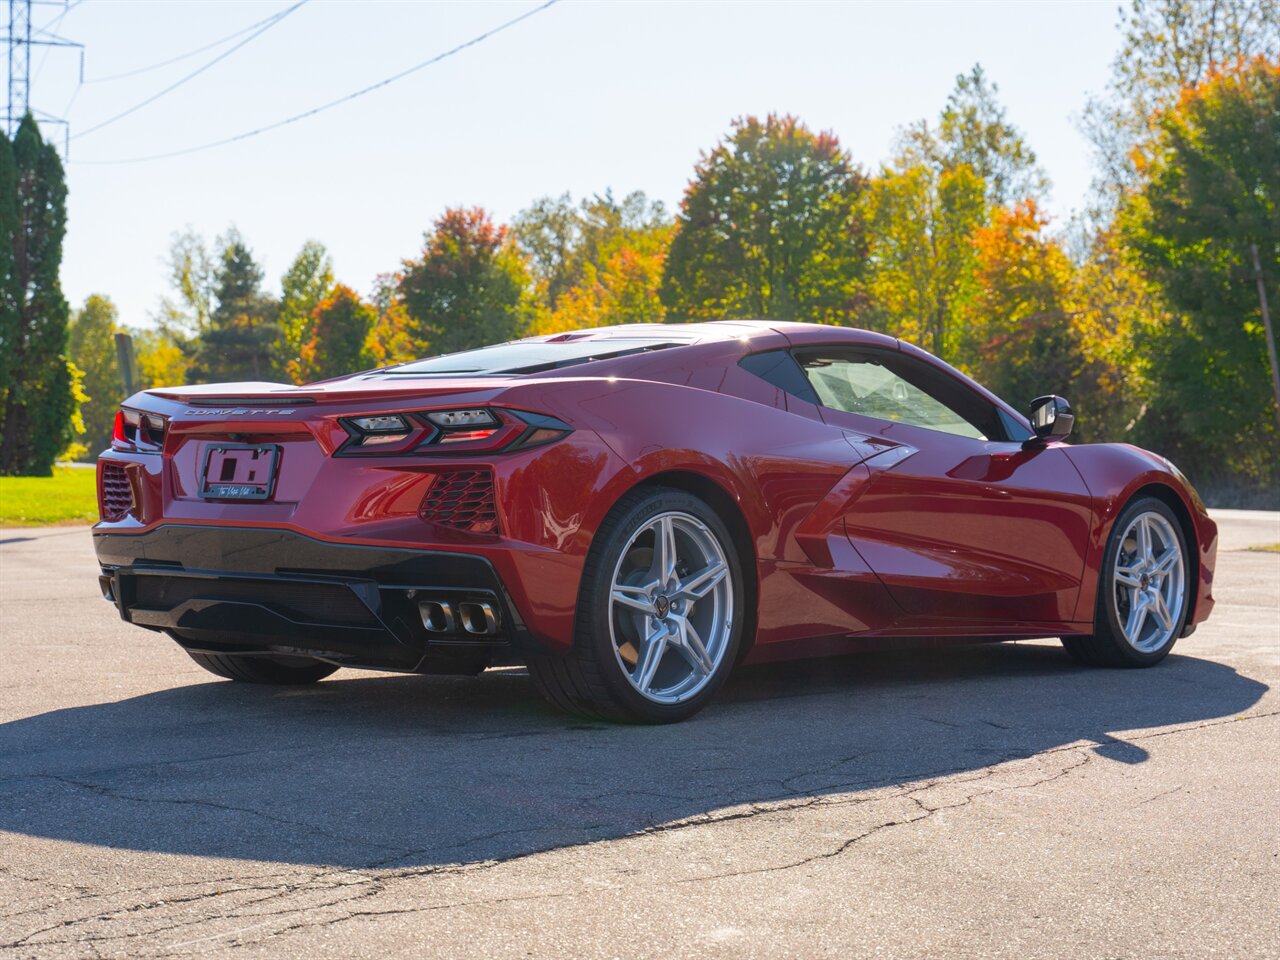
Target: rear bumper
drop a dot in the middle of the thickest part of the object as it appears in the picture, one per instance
(228, 589)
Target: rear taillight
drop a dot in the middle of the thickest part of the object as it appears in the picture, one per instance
(474, 430)
(143, 432)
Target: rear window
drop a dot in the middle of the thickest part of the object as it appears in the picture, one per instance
(524, 356)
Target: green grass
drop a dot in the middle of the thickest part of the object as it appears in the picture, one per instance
(1267, 548)
(69, 496)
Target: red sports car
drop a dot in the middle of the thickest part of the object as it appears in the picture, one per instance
(630, 511)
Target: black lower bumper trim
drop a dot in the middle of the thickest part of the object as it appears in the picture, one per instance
(254, 590)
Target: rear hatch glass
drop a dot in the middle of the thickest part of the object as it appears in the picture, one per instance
(524, 357)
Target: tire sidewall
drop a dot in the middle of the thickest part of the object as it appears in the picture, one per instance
(594, 630)
(1108, 615)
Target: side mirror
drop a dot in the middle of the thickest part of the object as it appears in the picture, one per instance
(1051, 418)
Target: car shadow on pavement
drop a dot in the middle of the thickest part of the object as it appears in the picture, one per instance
(413, 771)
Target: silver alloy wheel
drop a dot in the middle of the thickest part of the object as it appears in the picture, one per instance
(1149, 582)
(671, 608)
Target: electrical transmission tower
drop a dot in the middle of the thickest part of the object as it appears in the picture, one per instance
(19, 42)
(19, 62)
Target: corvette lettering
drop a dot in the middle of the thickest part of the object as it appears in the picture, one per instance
(238, 412)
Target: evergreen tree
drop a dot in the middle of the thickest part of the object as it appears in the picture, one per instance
(39, 415)
(93, 350)
(243, 329)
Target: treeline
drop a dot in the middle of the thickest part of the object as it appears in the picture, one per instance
(1144, 310)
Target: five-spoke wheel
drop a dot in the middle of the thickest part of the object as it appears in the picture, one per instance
(1149, 582)
(671, 614)
(1143, 590)
(660, 613)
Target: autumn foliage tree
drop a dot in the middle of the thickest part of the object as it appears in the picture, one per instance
(307, 282)
(340, 325)
(469, 287)
(923, 215)
(1212, 194)
(769, 227)
(1019, 332)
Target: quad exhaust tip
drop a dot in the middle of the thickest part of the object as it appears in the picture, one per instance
(475, 617)
(478, 618)
(437, 616)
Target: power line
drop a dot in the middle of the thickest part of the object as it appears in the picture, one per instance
(195, 73)
(184, 56)
(332, 103)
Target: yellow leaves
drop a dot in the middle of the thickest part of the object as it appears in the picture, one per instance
(621, 289)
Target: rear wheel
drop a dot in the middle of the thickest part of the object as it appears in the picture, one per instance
(275, 670)
(1143, 591)
(660, 614)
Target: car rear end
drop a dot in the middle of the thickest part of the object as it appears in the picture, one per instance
(415, 526)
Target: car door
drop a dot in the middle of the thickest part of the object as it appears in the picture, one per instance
(962, 522)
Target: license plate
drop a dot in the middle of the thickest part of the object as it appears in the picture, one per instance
(239, 472)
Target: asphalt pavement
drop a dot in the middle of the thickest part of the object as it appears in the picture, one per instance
(996, 801)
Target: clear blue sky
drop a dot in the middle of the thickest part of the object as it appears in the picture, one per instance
(581, 97)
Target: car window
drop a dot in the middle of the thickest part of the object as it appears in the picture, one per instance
(892, 387)
(779, 368)
(524, 356)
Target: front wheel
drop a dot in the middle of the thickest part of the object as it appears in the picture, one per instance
(660, 614)
(1143, 591)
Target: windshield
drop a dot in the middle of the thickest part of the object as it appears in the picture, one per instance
(524, 356)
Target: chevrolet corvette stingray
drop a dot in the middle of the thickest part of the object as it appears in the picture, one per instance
(631, 511)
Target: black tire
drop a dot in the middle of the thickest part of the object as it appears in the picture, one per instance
(1108, 646)
(281, 671)
(588, 681)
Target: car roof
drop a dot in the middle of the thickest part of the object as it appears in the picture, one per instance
(713, 330)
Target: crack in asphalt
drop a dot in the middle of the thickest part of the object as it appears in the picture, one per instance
(276, 886)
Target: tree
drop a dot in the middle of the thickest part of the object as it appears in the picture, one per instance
(92, 347)
(340, 324)
(1114, 304)
(307, 282)
(1212, 192)
(388, 341)
(770, 228)
(470, 287)
(548, 233)
(38, 408)
(974, 130)
(923, 215)
(161, 361)
(594, 262)
(610, 268)
(193, 275)
(1022, 342)
(1169, 46)
(242, 333)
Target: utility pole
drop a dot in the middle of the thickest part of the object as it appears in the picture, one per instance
(1266, 328)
